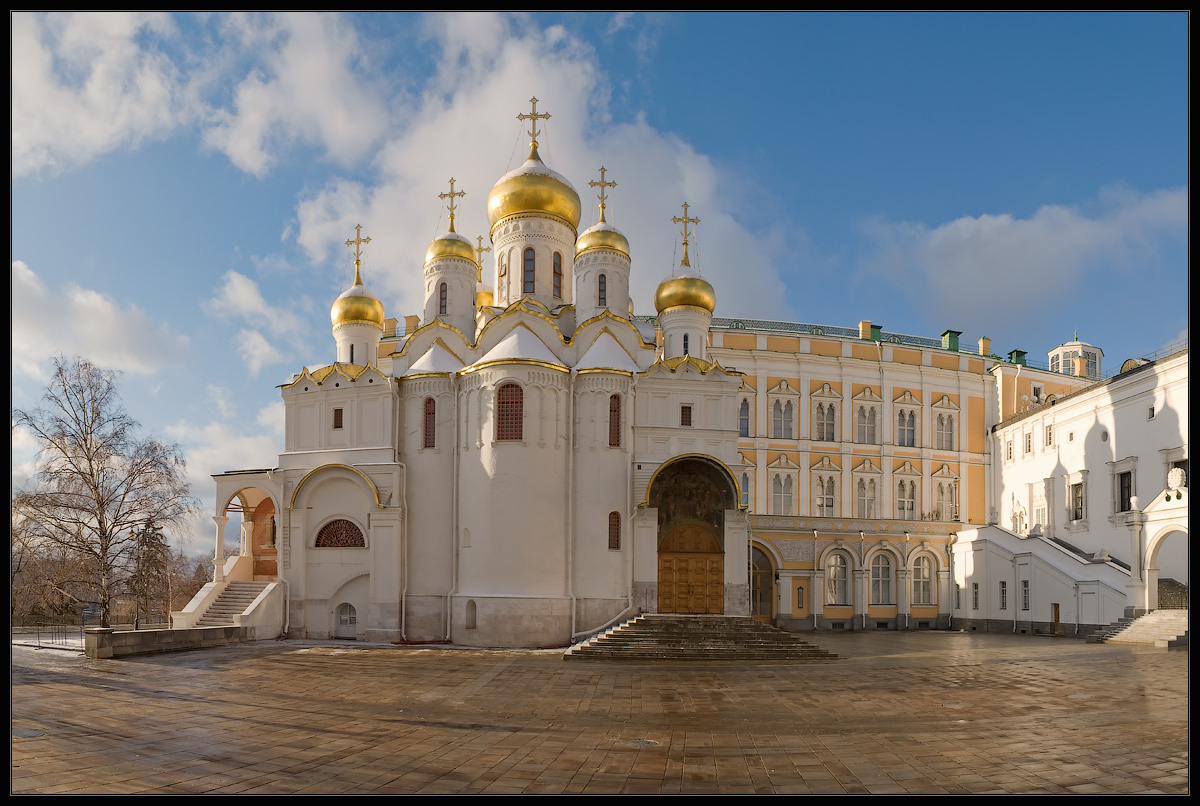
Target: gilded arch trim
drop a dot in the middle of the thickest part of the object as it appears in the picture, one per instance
(733, 482)
(314, 471)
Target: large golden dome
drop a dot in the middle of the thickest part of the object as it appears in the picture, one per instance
(685, 290)
(451, 245)
(602, 236)
(357, 306)
(533, 188)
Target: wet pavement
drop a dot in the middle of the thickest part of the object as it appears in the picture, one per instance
(899, 713)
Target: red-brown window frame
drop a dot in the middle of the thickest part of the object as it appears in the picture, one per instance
(510, 410)
(430, 424)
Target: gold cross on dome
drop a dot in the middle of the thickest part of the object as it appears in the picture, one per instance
(533, 117)
(357, 242)
(451, 196)
(603, 186)
(479, 250)
(685, 221)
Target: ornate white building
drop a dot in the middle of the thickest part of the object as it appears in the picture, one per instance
(529, 462)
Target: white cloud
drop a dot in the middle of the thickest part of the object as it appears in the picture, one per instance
(239, 299)
(83, 85)
(465, 126)
(304, 86)
(1053, 252)
(81, 321)
(256, 352)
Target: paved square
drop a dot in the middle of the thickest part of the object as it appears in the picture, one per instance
(915, 712)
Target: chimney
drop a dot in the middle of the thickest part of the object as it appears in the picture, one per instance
(1017, 357)
(389, 326)
(411, 323)
(985, 346)
(950, 339)
(1080, 366)
(864, 329)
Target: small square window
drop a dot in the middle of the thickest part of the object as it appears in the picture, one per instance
(685, 415)
(337, 418)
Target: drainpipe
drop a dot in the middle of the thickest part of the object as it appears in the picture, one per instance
(629, 487)
(454, 503)
(953, 582)
(1016, 593)
(570, 530)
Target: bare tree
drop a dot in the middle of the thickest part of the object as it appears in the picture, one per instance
(98, 483)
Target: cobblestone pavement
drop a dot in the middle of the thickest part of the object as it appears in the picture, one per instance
(916, 712)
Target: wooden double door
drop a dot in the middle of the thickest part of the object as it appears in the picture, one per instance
(691, 571)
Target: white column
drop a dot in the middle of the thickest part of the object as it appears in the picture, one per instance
(219, 550)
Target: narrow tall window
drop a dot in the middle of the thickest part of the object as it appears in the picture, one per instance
(942, 503)
(1077, 503)
(825, 423)
(906, 429)
(685, 415)
(614, 531)
(923, 581)
(865, 499)
(906, 494)
(1049, 435)
(945, 433)
(744, 419)
(430, 424)
(825, 496)
(777, 420)
(337, 418)
(1024, 594)
(881, 580)
(1125, 491)
(510, 412)
(777, 496)
(836, 589)
(443, 294)
(351, 353)
(558, 276)
(1003, 595)
(685, 344)
(865, 421)
(746, 490)
(974, 595)
(528, 271)
(787, 420)
(614, 421)
(602, 291)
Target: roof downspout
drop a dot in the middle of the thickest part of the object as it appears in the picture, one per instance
(570, 530)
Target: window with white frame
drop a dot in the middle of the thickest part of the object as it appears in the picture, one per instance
(922, 581)
(781, 419)
(1003, 595)
(864, 498)
(881, 580)
(823, 497)
(864, 425)
(824, 423)
(837, 580)
(906, 500)
(1024, 594)
(1049, 436)
(781, 495)
(1028, 443)
(746, 490)
(906, 428)
(944, 433)
(943, 501)
(1008, 451)
(1124, 484)
(974, 595)
(744, 418)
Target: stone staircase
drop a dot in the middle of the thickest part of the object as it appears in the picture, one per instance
(697, 639)
(233, 601)
(1166, 629)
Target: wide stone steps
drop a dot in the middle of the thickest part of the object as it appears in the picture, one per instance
(233, 601)
(697, 639)
(1162, 628)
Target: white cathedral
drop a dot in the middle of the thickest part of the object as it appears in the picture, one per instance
(528, 462)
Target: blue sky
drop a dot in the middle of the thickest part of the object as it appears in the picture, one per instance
(182, 184)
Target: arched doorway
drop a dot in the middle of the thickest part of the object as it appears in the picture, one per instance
(762, 586)
(347, 622)
(691, 495)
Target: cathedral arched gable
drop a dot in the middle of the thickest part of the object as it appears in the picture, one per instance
(454, 340)
(716, 470)
(334, 468)
(621, 329)
(541, 325)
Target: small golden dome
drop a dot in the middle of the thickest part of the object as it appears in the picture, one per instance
(685, 290)
(602, 236)
(484, 298)
(451, 245)
(357, 306)
(533, 188)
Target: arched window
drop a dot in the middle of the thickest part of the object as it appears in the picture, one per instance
(945, 432)
(685, 344)
(746, 490)
(614, 531)
(614, 421)
(923, 581)
(340, 534)
(824, 496)
(866, 425)
(944, 502)
(744, 419)
(787, 496)
(442, 295)
(881, 580)
(777, 420)
(430, 424)
(865, 499)
(906, 494)
(528, 271)
(510, 410)
(837, 591)
(825, 423)
(787, 420)
(906, 429)
(777, 496)
(602, 291)
(557, 276)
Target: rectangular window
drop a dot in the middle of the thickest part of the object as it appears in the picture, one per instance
(614, 531)
(1024, 594)
(1077, 503)
(1029, 443)
(337, 418)
(1008, 451)
(1125, 491)
(1003, 595)
(614, 421)
(685, 415)
(957, 597)
(974, 595)
(1150, 413)
(1049, 435)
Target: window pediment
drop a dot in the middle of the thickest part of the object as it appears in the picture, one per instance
(906, 469)
(824, 463)
(867, 466)
(907, 399)
(784, 389)
(944, 402)
(944, 472)
(868, 394)
(826, 391)
(783, 461)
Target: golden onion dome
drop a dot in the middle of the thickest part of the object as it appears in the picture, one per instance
(484, 298)
(357, 306)
(450, 245)
(602, 236)
(685, 290)
(533, 188)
